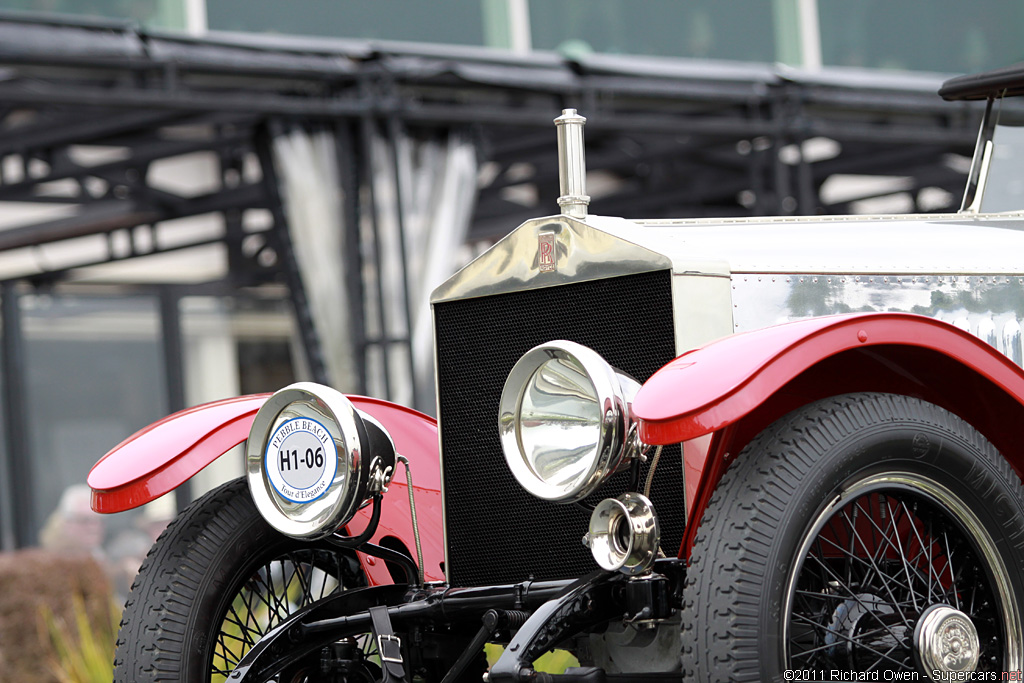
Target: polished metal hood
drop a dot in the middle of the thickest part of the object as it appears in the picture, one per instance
(598, 247)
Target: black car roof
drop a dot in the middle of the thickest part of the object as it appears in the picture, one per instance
(1007, 81)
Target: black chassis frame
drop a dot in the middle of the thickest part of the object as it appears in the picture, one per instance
(542, 615)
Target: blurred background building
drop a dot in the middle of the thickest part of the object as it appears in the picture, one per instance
(201, 198)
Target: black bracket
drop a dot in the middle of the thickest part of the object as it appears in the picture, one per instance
(591, 600)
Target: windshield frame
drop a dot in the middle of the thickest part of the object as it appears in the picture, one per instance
(978, 175)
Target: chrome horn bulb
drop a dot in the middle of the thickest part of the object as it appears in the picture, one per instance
(623, 534)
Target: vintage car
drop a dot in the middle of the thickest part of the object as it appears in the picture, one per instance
(710, 450)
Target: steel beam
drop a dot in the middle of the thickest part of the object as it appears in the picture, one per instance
(18, 516)
(311, 342)
(172, 347)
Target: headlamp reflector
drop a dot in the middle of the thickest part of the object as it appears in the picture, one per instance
(563, 419)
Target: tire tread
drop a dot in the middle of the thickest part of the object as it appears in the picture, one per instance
(153, 629)
(730, 555)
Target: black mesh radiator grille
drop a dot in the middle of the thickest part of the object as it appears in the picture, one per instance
(497, 533)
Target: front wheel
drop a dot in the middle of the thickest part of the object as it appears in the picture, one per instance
(215, 581)
(864, 533)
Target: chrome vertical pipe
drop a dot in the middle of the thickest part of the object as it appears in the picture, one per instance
(572, 166)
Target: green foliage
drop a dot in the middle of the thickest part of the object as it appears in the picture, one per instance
(83, 651)
(31, 579)
(553, 662)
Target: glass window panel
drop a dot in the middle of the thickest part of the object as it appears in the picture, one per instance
(265, 365)
(235, 345)
(94, 374)
(164, 14)
(922, 35)
(714, 29)
(440, 21)
(1004, 188)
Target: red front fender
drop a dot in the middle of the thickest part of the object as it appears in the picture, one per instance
(735, 387)
(159, 458)
(162, 456)
(715, 386)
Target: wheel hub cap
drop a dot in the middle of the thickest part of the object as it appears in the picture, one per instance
(946, 640)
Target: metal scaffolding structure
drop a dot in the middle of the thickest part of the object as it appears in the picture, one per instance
(665, 138)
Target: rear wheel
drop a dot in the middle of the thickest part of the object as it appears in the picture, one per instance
(215, 581)
(862, 533)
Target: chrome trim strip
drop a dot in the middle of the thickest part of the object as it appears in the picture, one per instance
(440, 450)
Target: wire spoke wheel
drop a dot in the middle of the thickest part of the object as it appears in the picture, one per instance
(863, 533)
(276, 589)
(877, 562)
(216, 581)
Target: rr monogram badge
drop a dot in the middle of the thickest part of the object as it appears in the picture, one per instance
(546, 262)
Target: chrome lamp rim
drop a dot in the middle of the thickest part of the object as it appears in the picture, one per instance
(337, 505)
(614, 392)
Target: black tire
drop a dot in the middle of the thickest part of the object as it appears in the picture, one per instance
(214, 581)
(836, 532)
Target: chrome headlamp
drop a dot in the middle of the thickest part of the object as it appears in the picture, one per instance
(564, 418)
(313, 459)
